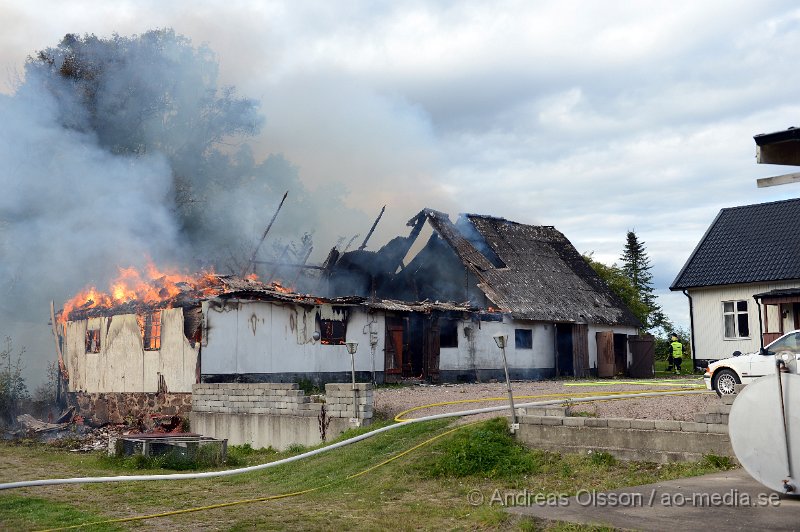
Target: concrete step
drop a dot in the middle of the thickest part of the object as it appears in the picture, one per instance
(718, 419)
(719, 409)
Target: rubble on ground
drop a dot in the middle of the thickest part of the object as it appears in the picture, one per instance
(72, 433)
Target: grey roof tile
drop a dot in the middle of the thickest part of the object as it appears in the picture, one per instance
(748, 244)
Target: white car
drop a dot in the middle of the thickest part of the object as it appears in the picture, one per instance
(722, 375)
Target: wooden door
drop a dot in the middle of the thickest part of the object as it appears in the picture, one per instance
(430, 350)
(394, 351)
(580, 350)
(606, 366)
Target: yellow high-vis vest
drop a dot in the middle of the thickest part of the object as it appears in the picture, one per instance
(677, 349)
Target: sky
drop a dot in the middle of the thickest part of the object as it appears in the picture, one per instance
(593, 117)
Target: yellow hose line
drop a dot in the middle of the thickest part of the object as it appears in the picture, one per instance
(668, 382)
(184, 511)
(426, 442)
(400, 418)
(260, 499)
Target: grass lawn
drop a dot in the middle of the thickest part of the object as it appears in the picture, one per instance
(426, 488)
(686, 368)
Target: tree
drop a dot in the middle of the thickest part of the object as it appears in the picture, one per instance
(636, 267)
(619, 283)
(12, 386)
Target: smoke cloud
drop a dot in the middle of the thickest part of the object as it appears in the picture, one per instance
(119, 150)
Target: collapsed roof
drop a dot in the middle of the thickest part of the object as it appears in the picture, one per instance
(531, 272)
(229, 287)
(481, 264)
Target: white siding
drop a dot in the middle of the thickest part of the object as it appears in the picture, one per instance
(262, 337)
(479, 350)
(122, 365)
(709, 327)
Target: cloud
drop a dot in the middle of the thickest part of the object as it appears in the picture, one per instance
(592, 117)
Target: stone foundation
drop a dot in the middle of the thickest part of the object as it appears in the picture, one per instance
(100, 408)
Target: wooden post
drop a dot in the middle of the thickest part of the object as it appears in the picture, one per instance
(250, 264)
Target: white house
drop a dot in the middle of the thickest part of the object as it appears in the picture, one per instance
(743, 280)
(428, 315)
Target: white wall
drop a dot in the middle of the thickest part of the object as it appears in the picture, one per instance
(480, 351)
(709, 328)
(264, 337)
(122, 365)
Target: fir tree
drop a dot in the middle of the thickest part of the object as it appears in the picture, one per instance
(636, 266)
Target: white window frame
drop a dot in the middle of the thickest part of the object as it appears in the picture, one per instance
(735, 314)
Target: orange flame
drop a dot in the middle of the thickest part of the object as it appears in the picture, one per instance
(151, 288)
(278, 287)
(154, 288)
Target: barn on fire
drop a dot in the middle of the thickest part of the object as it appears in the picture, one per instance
(418, 309)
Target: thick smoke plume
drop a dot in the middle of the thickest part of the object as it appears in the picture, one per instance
(119, 150)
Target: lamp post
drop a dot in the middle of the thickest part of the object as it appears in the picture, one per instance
(352, 347)
(500, 340)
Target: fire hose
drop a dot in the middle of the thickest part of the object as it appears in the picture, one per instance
(564, 398)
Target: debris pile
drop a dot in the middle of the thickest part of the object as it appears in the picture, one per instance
(70, 431)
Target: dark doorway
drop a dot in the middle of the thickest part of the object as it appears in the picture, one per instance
(564, 367)
(416, 341)
(411, 348)
(796, 313)
(621, 353)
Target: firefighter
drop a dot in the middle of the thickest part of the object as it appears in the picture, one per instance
(676, 353)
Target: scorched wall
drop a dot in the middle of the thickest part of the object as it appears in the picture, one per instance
(122, 364)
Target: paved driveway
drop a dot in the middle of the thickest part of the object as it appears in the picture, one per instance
(731, 500)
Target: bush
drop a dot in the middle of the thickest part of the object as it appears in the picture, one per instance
(310, 387)
(602, 458)
(296, 448)
(242, 455)
(183, 459)
(487, 450)
(718, 462)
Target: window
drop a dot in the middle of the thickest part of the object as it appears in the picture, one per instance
(150, 325)
(332, 332)
(448, 333)
(737, 323)
(790, 343)
(93, 340)
(523, 338)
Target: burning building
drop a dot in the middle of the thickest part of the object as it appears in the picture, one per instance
(421, 309)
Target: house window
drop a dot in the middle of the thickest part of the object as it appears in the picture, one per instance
(332, 332)
(737, 324)
(448, 333)
(150, 324)
(93, 340)
(523, 338)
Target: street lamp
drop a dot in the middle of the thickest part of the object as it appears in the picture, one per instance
(500, 340)
(352, 347)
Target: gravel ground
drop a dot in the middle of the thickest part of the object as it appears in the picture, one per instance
(391, 400)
